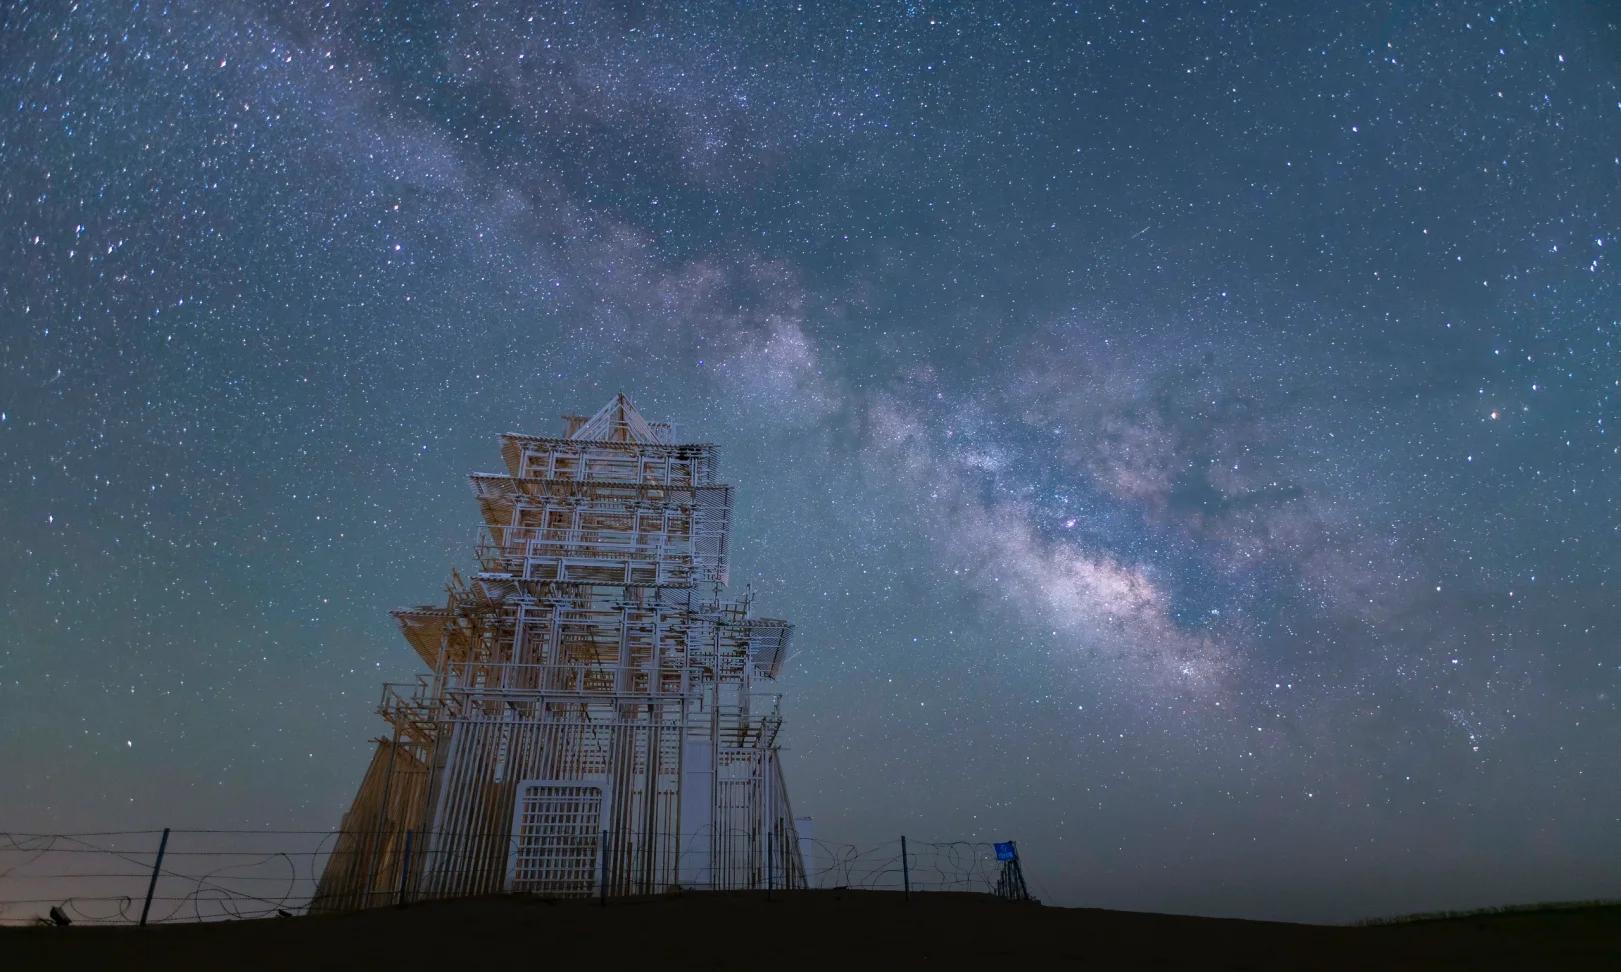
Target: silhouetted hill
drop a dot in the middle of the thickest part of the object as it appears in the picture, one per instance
(821, 930)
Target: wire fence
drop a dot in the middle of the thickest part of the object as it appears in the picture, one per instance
(165, 877)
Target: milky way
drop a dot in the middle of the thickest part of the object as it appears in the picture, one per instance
(1182, 434)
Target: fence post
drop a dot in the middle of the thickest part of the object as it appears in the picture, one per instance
(906, 870)
(405, 868)
(602, 885)
(153, 884)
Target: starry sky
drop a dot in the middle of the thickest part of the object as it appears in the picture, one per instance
(1181, 433)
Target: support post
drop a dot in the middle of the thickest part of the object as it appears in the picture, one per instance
(602, 884)
(157, 865)
(1018, 873)
(405, 868)
(770, 870)
(906, 870)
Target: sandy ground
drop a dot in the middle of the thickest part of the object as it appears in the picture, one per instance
(816, 930)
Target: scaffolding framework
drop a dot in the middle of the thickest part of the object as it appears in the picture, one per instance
(596, 716)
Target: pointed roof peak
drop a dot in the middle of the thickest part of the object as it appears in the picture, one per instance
(619, 421)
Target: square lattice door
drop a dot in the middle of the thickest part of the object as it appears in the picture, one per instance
(557, 838)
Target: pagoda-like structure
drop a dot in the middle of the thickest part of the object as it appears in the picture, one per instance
(596, 716)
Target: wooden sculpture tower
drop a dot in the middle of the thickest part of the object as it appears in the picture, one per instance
(596, 717)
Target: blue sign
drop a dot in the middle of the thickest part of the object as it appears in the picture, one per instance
(1005, 852)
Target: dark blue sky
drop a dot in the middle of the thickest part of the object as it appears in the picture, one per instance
(1181, 433)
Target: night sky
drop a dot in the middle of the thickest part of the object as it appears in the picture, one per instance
(1181, 434)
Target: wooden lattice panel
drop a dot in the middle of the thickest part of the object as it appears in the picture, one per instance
(556, 838)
